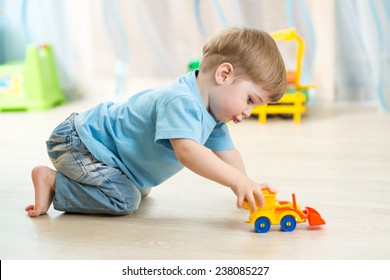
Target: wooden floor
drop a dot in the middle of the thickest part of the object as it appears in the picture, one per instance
(336, 161)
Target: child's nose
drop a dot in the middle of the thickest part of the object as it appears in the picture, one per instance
(247, 111)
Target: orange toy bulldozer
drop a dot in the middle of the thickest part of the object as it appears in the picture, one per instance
(284, 213)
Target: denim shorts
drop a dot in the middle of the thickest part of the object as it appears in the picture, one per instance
(84, 184)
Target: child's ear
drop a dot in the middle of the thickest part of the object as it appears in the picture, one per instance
(224, 71)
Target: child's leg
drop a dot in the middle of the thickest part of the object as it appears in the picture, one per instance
(83, 183)
(44, 185)
(97, 194)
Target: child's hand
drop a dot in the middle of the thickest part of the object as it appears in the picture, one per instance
(251, 192)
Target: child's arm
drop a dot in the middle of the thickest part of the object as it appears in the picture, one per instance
(207, 164)
(232, 157)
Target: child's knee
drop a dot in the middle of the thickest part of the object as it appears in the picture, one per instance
(125, 210)
(130, 204)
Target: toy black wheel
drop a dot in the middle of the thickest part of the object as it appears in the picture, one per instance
(262, 225)
(288, 223)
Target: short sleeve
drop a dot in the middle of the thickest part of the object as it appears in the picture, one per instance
(179, 118)
(220, 139)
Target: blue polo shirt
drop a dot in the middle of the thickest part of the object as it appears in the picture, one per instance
(135, 136)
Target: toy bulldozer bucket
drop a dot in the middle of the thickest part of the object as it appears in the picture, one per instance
(314, 218)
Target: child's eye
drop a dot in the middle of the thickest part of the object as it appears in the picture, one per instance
(250, 101)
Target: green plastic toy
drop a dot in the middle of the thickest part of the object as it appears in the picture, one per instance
(30, 85)
(193, 64)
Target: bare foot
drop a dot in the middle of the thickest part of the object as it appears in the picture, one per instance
(44, 180)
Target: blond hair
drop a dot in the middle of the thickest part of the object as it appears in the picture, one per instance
(254, 56)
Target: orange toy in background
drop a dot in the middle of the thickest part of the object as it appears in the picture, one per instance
(290, 77)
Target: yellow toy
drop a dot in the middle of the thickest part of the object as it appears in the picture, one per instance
(284, 213)
(294, 100)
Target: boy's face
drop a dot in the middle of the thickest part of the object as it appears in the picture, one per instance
(235, 101)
